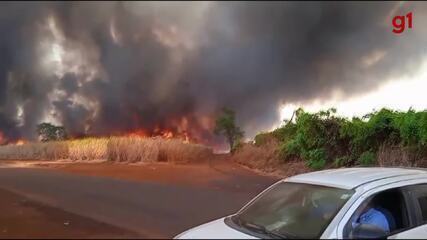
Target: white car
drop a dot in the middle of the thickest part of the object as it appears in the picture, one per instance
(329, 204)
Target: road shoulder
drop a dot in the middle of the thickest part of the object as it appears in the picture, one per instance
(23, 218)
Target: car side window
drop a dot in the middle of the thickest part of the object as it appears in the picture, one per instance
(419, 195)
(381, 215)
(422, 202)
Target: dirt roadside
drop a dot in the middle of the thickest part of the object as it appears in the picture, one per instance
(194, 174)
(23, 218)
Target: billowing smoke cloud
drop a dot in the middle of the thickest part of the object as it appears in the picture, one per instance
(111, 68)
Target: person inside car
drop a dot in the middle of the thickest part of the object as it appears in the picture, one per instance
(373, 214)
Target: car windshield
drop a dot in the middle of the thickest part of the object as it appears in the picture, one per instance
(293, 210)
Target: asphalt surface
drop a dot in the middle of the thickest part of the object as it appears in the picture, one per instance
(22, 218)
(150, 209)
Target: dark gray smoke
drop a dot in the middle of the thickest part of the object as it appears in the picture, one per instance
(111, 68)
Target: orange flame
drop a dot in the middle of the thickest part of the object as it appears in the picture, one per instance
(166, 134)
(137, 133)
(192, 128)
(2, 138)
(20, 142)
(177, 129)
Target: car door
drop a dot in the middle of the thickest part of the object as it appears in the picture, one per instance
(397, 207)
(418, 201)
(412, 228)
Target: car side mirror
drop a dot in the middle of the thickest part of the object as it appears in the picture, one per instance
(364, 231)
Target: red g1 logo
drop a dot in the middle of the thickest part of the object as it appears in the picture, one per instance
(399, 23)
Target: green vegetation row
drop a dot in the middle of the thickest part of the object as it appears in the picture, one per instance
(323, 139)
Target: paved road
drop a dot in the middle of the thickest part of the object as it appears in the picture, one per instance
(147, 208)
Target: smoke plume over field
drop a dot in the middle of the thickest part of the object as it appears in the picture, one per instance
(114, 68)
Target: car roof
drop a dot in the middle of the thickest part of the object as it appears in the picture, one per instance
(350, 178)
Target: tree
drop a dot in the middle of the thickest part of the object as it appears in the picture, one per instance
(226, 125)
(49, 132)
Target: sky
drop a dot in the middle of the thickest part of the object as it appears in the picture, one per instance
(113, 68)
(398, 94)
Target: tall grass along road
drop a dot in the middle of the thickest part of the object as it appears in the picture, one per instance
(115, 149)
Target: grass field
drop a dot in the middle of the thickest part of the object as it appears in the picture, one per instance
(116, 149)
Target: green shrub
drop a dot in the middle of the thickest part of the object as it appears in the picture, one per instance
(285, 132)
(311, 132)
(316, 159)
(288, 149)
(348, 141)
(342, 161)
(367, 158)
